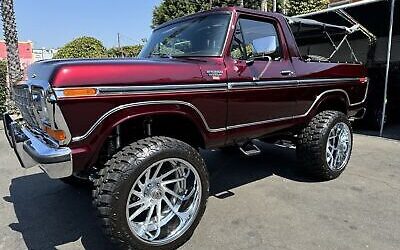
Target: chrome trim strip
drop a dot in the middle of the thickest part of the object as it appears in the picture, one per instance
(55, 116)
(323, 80)
(231, 26)
(137, 104)
(303, 115)
(171, 88)
(160, 87)
(365, 95)
(258, 123)
(213, 130)
(289, 117)
(143, 89)
(286, 83)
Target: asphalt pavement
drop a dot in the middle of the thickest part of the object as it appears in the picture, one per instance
(262, 202)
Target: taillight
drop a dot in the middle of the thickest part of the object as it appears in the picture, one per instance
(363, 79)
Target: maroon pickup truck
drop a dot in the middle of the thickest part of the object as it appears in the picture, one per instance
(214, 79)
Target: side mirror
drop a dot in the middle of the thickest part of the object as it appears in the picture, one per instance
(265, 45)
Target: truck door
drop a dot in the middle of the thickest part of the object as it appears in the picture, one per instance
(262, 88)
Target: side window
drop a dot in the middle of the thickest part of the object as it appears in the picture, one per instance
(256, 40)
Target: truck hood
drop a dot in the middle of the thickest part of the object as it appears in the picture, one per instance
(95, 72)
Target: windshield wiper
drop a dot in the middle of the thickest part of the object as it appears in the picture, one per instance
(160, 55)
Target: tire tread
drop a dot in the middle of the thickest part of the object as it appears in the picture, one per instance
(118, 168)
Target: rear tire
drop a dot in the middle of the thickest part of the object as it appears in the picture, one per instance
(324, 146)
(131, 191)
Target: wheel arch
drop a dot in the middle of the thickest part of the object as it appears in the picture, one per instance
(337, 100)
(194, 131)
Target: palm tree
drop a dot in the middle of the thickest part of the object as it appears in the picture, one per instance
(11, 37)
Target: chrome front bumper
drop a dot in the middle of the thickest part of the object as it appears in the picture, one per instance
(33, 149)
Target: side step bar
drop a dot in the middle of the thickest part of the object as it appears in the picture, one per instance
(250, 149)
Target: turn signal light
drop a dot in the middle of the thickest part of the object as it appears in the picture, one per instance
(59, 135)
(77, 92)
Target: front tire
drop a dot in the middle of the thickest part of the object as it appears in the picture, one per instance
(324, 146)
(152, 194)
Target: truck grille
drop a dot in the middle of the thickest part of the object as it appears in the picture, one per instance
(23, 101)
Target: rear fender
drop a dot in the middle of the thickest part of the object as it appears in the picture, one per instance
(337, 100)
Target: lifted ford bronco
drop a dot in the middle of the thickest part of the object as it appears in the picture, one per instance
(210, 80)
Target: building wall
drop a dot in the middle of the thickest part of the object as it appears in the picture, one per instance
(43, 54)
(25, 50)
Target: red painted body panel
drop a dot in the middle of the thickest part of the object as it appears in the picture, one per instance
(234, 114)
(127, 72)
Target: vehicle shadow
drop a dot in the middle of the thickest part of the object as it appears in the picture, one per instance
(232, 169)
(51, 214)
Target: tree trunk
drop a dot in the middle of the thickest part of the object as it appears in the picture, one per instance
(10, 35)
(241, 3)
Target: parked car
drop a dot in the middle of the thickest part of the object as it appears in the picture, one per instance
(210, 80)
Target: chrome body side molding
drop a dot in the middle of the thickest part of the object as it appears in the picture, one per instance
(137, 104)
(177, 88)
(286, 83)
(210, 87)
(149, 89)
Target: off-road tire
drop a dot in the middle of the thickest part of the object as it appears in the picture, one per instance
(114, 181)
(312, 141)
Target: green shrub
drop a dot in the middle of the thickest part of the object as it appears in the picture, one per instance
(3, 84)
(125, 51)
(82, 47)
(295, 7)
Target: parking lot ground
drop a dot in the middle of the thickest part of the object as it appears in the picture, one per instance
(262, 202)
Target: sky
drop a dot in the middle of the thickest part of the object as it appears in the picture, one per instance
(52, 23)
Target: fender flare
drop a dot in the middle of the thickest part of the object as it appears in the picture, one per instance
(184, 107)
(329, 95)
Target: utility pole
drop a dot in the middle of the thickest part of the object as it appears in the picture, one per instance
(241, 3)
(274, 6)
(119, 44)
(284, 7)
(11, 37)
(264, 5)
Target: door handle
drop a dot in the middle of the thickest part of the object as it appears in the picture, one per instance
(287, 73)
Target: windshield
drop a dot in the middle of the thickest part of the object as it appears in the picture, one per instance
(199, 36)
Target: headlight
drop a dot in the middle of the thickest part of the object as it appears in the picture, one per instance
(42, 103)
(39, 102)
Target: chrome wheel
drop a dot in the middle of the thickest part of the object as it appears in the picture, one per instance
(338, 146)
(164, 201)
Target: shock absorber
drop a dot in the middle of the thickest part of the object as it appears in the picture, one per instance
(118, 137)
(147, 127)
